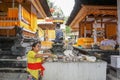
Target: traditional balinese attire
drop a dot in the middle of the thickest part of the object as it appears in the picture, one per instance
(34, 66)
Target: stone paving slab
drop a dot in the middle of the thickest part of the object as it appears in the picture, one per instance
(13, 76)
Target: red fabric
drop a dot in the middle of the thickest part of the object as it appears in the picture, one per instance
(36, 66)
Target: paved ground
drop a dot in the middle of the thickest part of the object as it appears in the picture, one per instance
(13, 76)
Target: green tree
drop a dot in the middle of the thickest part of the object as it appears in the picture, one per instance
(68, 30)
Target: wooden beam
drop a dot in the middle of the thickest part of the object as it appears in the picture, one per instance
(39, 8)
(19, 1)
(118, 27)
(77, 28)
(80, 16)
(95, 10)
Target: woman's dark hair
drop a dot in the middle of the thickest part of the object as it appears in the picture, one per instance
(35, 43)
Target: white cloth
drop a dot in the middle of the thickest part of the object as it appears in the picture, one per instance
(108, 43)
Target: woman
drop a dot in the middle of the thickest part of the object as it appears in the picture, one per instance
(34, 62)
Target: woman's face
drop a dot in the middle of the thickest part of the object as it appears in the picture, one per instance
(37, 47)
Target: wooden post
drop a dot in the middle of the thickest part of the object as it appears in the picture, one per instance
(94, 32)
(20, 12)
(85, 28)
(95, 28)
(79, 30)
(118, 27)
(102, 28)
(13, 3)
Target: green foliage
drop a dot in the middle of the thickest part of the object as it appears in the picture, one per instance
(68, 29)
(58, 11)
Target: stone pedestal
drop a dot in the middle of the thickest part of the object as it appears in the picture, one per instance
(75, 71)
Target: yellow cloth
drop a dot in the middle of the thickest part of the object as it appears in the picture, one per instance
(31, 59)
